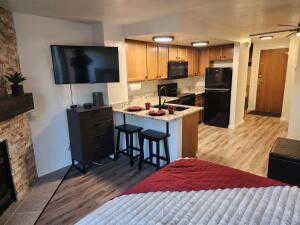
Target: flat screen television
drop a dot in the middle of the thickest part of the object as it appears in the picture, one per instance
(85, 64)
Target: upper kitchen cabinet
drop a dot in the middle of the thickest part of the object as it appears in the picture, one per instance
(136, 60)
(182, 54)
(203, 60)
(222, 52)
(163, 58)
(227, 52)
(152, 61)
(196, 61)
(177, 53)
(190, 59)
(173, 53)
(215, 53)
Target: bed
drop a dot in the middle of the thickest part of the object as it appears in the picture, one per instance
(190, 192)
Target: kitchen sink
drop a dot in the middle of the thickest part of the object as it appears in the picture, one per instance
(177, 108)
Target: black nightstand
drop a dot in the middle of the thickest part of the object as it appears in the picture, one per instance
(284, 161)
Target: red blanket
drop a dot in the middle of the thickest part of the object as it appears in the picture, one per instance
(194, 175)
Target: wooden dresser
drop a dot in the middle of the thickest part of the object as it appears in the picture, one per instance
(91, 134)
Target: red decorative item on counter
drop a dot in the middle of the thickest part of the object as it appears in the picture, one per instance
(147, 105)
(171, 109)
(157, 113)
(134, 108)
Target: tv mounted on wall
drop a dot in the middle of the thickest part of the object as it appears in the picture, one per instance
(85, 64)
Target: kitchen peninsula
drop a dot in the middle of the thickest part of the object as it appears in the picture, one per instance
(182, 125)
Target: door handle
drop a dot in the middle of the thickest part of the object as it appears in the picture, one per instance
(260, 76)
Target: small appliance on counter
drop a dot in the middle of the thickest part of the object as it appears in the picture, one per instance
(171, 90)
(217, 96)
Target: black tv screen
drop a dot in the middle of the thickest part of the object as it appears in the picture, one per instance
(85, 64)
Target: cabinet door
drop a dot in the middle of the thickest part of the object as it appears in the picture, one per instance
(136, 61)
(227, 52)
(182, 54)
(152, 61)
(215, 53)
(173, 53)
(196, 61)
(203, 60)
(163, 59)
(190, 59)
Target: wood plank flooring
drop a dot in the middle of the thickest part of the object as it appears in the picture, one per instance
(245, 148)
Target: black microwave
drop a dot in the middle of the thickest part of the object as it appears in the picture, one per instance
(177, 69)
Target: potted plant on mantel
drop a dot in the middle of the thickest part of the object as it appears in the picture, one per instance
(16, 79)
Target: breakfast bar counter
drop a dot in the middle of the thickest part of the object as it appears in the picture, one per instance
(182, 126)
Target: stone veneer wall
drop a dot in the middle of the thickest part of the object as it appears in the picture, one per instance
(15, 131)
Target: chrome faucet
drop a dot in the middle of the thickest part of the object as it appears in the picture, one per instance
(159, 96)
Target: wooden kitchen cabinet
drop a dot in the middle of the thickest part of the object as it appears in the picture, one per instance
(215, 53)
(190, 59)
(199, 102)
(177, 53)
(227, 52)
(182, 54)
(136, 61)
(203, 60)
(163, 58)
(152, 61)
(196, 61)
(173, 53)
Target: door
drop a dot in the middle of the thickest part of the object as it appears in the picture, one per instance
(152, 61)
(136, 61)
(163, 62)
(271, 80)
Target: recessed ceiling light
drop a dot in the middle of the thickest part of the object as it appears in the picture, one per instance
(200, 43)
(266, 38)
(163, 38)
(298, 34)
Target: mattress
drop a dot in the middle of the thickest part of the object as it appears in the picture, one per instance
(196, 192)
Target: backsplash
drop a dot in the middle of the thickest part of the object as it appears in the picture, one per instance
(149, 88)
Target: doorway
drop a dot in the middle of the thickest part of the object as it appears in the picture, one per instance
(271, 81)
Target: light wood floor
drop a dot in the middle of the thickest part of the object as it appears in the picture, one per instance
(245, 148)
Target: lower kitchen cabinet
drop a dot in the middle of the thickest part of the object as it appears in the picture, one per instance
(199, 102)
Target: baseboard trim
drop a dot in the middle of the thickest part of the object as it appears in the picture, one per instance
(284, 119)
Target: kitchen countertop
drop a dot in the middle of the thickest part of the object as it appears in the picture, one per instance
(154, 101)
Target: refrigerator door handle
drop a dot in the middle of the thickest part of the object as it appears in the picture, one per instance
(217, 89)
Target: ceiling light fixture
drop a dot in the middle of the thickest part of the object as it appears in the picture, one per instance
(266, 38)
(163, 38)
(200, 43)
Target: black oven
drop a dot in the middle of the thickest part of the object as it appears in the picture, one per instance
(177, 69)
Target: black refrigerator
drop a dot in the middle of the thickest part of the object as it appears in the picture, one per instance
(217, 96)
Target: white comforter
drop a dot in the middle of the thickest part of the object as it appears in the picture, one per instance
(278, 205)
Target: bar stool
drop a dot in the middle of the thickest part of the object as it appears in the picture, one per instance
(154, 136)
(129, 131)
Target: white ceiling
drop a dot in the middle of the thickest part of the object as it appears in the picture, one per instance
(215, 20)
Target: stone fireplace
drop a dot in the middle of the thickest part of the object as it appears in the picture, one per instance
(14, 125)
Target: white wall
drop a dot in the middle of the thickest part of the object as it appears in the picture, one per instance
(48, 120)
(294, 116)
(239, 83)
(257, 47)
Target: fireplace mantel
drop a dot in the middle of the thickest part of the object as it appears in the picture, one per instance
(12, 106)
